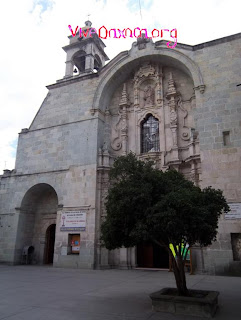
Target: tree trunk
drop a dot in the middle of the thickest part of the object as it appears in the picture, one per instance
(180, 277)
(178, 268)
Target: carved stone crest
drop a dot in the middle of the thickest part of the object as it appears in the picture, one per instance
(145, 71)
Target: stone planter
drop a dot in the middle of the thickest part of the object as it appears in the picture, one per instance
(200, 303)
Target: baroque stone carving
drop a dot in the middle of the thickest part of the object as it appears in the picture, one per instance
(201, 88)
(116, 142)
(177, 144)
(150, 76)
(142, 41)
(149, 95)
(145, 71)
(159, 86)
(121, 127)
(186, 134)
(171, 94)
(173, 115)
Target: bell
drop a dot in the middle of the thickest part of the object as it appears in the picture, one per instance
(75, 70)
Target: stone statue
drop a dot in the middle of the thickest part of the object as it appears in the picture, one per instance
(149, 95)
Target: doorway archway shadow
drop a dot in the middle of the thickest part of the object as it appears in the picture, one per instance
(49, 244)
(150, 255)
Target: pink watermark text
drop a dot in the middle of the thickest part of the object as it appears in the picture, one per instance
(104, 33)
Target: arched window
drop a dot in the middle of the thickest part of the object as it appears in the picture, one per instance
(79, 60)
(150, 135)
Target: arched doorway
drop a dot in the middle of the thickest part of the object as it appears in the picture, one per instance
(49, 244)
(150, 255)
(38, 211)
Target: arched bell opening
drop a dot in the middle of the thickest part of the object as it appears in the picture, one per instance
(97, 63)
(79, 61)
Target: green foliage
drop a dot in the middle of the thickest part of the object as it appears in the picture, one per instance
(144, 203)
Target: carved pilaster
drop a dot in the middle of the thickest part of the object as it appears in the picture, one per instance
(171, 95)
(124, 104)
(124, 97)
(159, 85)
(184, 131)
(194, 174)
(100, 157)
(107, 129)
(124, 132)
(101, 260)
(193, 100)
(121, 128)
(136, 96)
(106, 155)
(174, 135)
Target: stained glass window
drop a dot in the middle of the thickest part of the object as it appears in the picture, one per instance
(150, 135)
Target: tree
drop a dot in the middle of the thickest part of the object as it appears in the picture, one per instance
(144, 203)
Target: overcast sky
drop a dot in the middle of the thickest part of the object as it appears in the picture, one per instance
(33, 33)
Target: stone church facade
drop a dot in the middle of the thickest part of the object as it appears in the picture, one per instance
(179, 107)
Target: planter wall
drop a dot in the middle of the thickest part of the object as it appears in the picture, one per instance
(201, 303)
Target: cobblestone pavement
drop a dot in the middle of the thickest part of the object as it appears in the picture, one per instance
(47, 293)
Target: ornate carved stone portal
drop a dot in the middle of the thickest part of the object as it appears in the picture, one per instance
(164, 95)
(151, 114)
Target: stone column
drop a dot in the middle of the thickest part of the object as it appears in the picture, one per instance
(124, 131)
(171, 95)
(42, 243)
(124, 105)
(198, 260)
(58, 237)
(104, 258)
(89, 63)
(159, 85)
(133, 257)
(124, 263)
(136, 96)
(69, 69)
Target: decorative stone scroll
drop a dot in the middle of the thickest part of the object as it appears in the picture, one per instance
(186, 133)
(116, 143)
(121, 127)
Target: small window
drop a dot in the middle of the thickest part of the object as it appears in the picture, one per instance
(150, 135)
(226, 138)
(74, 243)
(236, 246)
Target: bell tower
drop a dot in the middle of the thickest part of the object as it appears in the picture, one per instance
(85, 52)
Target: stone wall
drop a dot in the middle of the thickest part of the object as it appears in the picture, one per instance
(220, 111)
(71, 128)
(75, 188)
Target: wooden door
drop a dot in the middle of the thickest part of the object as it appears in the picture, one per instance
(49, 245)
(145, 255)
